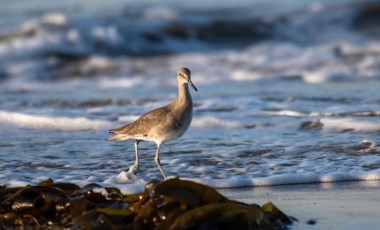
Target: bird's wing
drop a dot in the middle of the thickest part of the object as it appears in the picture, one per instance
(143, 124)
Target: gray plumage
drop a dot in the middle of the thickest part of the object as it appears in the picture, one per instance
(163, 124)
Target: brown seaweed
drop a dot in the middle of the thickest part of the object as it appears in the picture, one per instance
(172, 204)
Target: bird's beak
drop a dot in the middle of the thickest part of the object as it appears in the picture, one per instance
(192, 85)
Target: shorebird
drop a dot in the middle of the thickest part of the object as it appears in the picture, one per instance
(163, 124)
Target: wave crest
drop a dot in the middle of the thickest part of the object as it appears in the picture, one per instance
(45, 122)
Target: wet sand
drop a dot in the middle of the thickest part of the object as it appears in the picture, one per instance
(338, 206)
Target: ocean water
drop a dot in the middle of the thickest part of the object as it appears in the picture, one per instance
(287, 94)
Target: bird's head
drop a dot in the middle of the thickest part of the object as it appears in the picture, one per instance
(184, 76)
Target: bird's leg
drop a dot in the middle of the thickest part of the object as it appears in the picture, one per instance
(157, 160)
(136, 165)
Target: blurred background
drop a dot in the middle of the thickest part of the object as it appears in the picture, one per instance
(285, 87)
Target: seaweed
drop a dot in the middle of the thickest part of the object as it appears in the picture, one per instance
(172, 204)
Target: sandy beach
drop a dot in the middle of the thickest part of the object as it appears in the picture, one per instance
(338, 206)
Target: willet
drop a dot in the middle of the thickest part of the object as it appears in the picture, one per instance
(163, 124)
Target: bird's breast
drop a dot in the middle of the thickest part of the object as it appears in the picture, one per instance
(179, 123)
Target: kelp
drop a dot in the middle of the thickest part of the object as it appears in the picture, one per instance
(172, 204)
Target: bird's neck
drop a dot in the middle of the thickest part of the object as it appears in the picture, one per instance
(184, 94)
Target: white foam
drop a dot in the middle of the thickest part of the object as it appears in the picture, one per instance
(288, 179)
(126, 177)
(350, 123)
(128, 182)
(370, 144)
(100, 190)
(244, 75)
(329, 124)
(210, 121)
(286, 112)
(57, 18)
(315, 77)
(157, 13)
(44, 122)
(96, 62)
(120, 82)
(132, 188)
(16, 183)
(246, 181)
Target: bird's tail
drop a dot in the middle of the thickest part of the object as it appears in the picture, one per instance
(111, 138)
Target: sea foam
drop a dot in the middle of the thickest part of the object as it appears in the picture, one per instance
(45, 122)
(285, 179)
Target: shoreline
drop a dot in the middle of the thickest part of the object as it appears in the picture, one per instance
(338, 205)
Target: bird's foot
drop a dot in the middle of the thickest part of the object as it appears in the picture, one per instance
(125, 177)
(135, 169)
